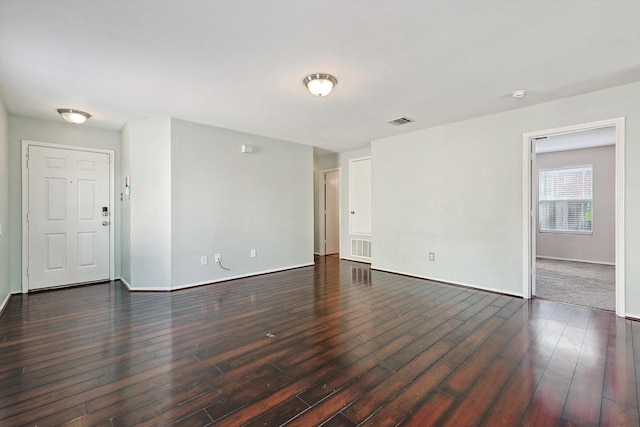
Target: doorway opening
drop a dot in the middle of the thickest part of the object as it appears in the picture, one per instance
(573, 196)
(330, 212)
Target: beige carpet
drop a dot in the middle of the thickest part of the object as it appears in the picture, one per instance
(579, 283)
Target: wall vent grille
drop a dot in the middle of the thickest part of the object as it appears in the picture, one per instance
(361, 248)
(400, 121)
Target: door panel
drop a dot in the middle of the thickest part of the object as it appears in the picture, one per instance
(56, 247)
(86, 200)
(86, 249)
(68, 242)
(56, 199)
(360, 196)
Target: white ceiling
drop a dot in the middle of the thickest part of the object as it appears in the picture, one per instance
(239, 64)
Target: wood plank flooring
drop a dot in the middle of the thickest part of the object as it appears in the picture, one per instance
(335, 344)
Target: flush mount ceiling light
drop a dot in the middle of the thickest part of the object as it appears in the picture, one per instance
(520, 93)
(320, 84)
(75, 117)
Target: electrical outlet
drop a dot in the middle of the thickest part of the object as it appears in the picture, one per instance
(217, 257)
(432, 256)
(253, 253)
(204, 260)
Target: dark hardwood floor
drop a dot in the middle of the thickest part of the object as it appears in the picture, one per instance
(336, 344)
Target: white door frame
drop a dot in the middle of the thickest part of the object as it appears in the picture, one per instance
(529, 213)
(25, 203)
(322, 232)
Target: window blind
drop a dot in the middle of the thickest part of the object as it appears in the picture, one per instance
(566, 200)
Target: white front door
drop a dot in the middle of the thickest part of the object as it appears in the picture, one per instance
(68, 217)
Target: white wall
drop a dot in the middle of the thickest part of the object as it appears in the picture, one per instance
(57, 132)
(599, 246)
(456, 190)
(147, 240)
(4, 206)
(345, 237)
(269, 199)
(227, 202)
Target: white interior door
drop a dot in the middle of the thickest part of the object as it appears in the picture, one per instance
(360, 196)
(68, 217)
(332, 212)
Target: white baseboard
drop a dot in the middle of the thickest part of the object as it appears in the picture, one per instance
(151, 289)
(576, 260)
(4, 303)
(125, 282)
(211, 281)
(365, 260)
(446, 281)
(632, 316)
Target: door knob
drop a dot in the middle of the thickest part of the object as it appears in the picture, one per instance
(105, 223)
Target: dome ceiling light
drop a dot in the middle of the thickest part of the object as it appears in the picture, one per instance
(75, 117)
(320, 84)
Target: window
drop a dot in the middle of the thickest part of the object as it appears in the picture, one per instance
(566, 200)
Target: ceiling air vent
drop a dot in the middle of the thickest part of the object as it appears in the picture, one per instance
(400, 121)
